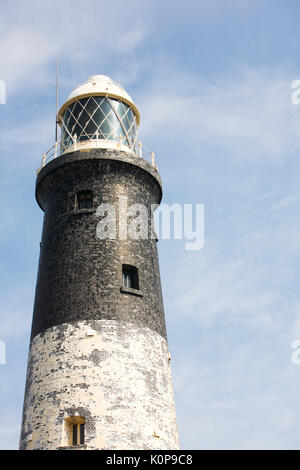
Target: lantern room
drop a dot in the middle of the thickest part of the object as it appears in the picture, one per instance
(99, 114)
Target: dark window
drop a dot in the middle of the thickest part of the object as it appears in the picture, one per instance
(84, 199)
(82, 434)
(130, 277)
(78, 434)
(74, 441)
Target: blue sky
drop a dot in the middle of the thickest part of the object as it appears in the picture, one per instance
(212, 81)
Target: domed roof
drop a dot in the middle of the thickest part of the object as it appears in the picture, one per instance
(99, 85)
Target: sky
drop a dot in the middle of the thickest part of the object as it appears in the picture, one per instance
(213, 83)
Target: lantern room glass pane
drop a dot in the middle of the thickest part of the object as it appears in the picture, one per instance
(120, 108)
(90, 129)
(106, 129)
(75, 108)
(99, 116)
(91, 106)
(105, 106)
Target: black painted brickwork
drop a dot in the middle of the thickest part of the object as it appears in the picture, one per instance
(80, 276)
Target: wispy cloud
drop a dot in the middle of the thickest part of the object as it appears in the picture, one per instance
(246, 114)
(35, 33)
(234, 310)
(286, 202)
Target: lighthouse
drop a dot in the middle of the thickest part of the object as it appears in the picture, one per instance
(99, 367)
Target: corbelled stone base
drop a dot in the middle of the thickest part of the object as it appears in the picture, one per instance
(115, 375)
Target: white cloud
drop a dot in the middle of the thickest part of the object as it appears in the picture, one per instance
(232, 312)
(131, 39)
(35, 32)
(286, 202)
(24, 53)
(245, 115)
(239, 282)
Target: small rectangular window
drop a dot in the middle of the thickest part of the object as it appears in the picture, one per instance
(84, 199)
(75, 427)
(78, 434)
(130, 276)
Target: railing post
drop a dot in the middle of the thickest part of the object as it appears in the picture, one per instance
(55, 150)
(140, 149)
(119, 143)
(75, 141)
(43, 160)
(153, 159)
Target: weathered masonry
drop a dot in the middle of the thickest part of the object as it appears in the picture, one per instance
(99, 372)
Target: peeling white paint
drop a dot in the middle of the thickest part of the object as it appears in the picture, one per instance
(119, 380)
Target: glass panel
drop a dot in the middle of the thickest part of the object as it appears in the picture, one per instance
(113, 119)
(130, 276)
(90, 129)
(130, 116)
(131, 124)
(76, 109)
(65, 138)
(85, 199)
(106, 129)
(67, 117)
(99, 116)
(69, 121)
(120, 107)
(82, 434)
(74, 438)
(71, 107)
(83, 118)
(105, 106)
(99, 99)
(119, 131)
(116, 128)
(83, 101)
(128, 280)
(71, 125)
(126, 123)
(115, 105)
(91, 106)
(76, 130)
(89, 203)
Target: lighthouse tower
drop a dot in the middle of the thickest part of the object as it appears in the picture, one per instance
(99, 366)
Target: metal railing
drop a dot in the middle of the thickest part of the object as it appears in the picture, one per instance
(72, 144)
